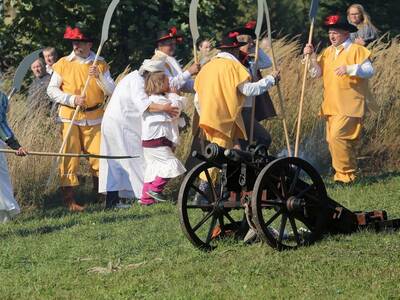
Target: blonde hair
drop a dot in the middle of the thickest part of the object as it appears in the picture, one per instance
(154, 83)
(366, 19)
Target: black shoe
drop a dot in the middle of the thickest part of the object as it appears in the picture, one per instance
(111, 199)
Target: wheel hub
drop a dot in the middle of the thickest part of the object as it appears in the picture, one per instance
(294, 203)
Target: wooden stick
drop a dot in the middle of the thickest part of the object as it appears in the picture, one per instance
(36, 153)
(195, 55)
(282, 108)
(253, 103)
(303, 88)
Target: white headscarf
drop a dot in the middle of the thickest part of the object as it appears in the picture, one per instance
(152, 65)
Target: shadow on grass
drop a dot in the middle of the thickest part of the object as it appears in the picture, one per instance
(46, 229)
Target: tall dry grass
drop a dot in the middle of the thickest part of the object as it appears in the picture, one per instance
(380, 143)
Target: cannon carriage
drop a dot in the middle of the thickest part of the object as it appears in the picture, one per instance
(284, 201)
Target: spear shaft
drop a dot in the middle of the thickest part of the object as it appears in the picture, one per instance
(36, 153)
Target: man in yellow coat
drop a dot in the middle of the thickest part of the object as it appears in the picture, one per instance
(66, 85)
(345, 68)
(221, 87)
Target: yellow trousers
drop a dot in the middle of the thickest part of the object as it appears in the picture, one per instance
(342, 135)
(82, 139)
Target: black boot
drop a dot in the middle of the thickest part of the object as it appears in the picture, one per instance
(99, 198)
(111, 199)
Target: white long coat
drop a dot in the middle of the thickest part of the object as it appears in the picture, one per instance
(121, 135)
(8, 206)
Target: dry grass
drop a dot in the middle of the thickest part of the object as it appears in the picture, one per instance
(380, 142)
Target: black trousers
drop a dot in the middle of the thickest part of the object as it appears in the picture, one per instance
(261, 135)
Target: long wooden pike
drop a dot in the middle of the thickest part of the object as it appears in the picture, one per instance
(10, 151)
(280, 96)
(257, 31)
(21, 71)
(312, 15)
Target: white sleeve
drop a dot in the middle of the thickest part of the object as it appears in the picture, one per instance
(188, 86)
(140, 98)
(257, 88)
(264, 61)
(364, 70)
(106, 83)
(179, 80)
(56, 94)
(177, 101)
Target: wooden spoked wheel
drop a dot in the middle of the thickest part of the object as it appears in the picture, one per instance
(206, 213)
(289, 204)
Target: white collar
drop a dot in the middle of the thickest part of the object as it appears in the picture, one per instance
(86, 60)
(346, 44)
(160, 53)
(170, 60)
(228, 56)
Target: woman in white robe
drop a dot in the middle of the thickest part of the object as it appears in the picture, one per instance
(8, 206)
(121, 135)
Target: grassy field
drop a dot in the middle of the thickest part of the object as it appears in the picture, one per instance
(142, 253)
(49, 253)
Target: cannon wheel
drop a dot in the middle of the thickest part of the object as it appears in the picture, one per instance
(289, 204)
(205, 223)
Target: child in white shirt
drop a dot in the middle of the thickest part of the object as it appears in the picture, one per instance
(160, 135)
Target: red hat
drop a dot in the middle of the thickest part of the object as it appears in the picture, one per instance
(340, 22)
(230, 41)
(76, 34)
(247, 29)
(172, 33)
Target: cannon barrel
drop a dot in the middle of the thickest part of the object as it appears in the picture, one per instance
(238, 155)
(214, 152)
(219, 154)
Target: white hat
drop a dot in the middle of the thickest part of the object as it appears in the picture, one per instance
(152, 65)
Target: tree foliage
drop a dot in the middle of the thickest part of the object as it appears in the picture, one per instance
(40, 23)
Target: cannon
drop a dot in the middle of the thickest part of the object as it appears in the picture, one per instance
(284, 200)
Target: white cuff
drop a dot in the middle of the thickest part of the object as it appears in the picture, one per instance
(269, 79)
(71, 100)
(186, 75)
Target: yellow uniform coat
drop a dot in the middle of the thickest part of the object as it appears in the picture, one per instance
(220, 100)
(343, 95)
(84, 139)
(74, 75)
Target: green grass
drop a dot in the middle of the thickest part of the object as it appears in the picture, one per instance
(53, 254)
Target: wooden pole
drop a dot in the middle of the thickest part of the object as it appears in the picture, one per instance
(36, 153)
(280, 97)
(253, 104)
(195, 55)
(303, 88)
